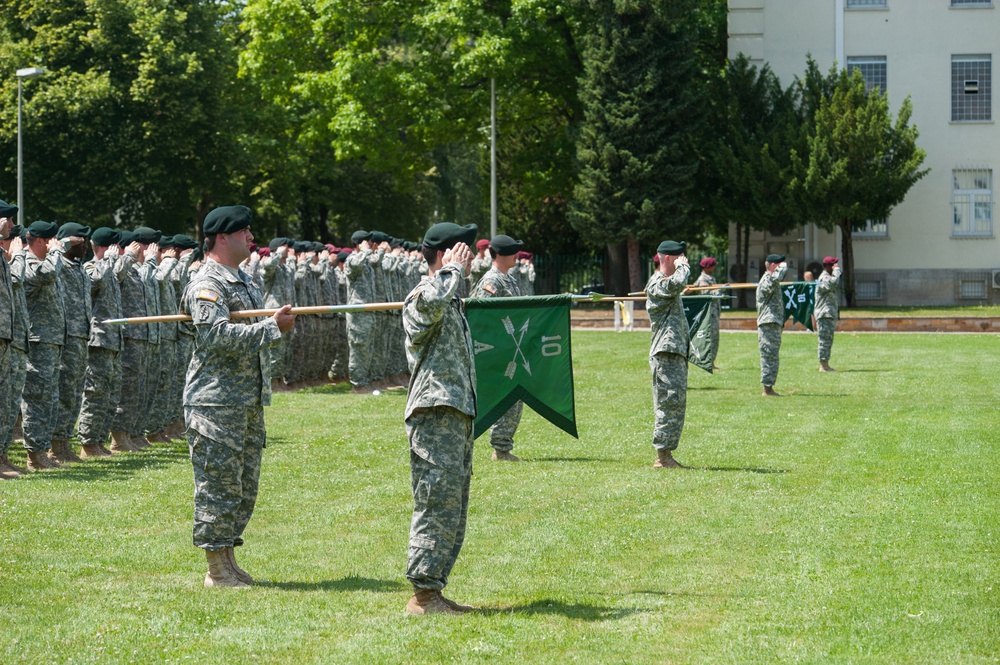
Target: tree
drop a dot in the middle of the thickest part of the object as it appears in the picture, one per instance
(637, 160)
(860, 163)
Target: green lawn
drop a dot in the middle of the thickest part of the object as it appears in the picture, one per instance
(855, 520)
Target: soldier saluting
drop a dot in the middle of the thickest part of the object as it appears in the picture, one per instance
(228, 385)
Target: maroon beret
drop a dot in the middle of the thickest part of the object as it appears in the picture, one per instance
(830, 261)
(482, 243)
(707, 262)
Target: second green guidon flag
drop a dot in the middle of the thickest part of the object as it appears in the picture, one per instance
(522, 349)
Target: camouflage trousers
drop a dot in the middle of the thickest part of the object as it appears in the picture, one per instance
(278, 358)
(185, 344)
(713, 322)
(133, 393)
(146, 423)
(5, 381)
(825, 328)
(72, 369)
(12, 408)
(163, 400)
(440, 475)
(40, 398)
(341, 353)
(226, 445)
(670, 376)
(360, 326)
(502, 432)
(769, 338)
(102, 387)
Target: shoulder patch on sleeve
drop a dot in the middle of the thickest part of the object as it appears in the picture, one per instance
(207, 294)
(492, 290)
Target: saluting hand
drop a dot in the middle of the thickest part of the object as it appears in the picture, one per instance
(112, 251)
(681, 260)
(284, 320)
(16, 245)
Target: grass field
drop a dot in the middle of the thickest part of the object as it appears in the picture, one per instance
(855, 520)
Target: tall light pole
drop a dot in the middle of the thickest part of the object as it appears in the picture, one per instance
(493, 158)
(27, 73)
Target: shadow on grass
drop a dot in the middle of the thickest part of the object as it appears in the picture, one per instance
(350, 583)
(745, 469)
(568, 610)
(119, 467)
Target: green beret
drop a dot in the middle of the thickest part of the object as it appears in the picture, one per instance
(395, 242)
(182, 241)
(775, 258)
(7, 209)
(227, 219)
(70, 229)
(359, 236)
(145, 235)
(342, 256)
(15, 231)
(127, 238)
(446, 235)
(105, 236)
(505, 245)
(317, 247)
(378, 237)
(301, 247)
(671, 248)
(42, 229)
(276, 243)
(165, 242)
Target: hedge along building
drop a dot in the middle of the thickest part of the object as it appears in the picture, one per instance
(939, 246)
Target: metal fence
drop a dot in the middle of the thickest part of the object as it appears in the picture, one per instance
(584, 273)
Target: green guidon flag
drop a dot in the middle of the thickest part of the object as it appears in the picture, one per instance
(800, 300)
(522, 350)
(697, 311)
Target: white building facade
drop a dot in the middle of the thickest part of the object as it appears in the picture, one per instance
(940, 245)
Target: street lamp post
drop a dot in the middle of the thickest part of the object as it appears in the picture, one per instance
(27, 73)
(493, 157)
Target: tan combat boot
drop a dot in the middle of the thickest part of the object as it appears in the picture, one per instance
(664, 460)
(243, 575)
(769, 392)
(8, 472)
(63, 450)
(139, 442)
(120, 443)
(90, 452)
(461, 609)
(428, 601)
(505, 456)
(824, 366)
(105, 451)
(220, 573)
(6, 462)
(38, 461)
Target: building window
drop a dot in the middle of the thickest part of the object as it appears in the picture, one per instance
(972, 202)
(872, 69)
(972, 289)
(971, 88)
(873, 228)
(868, 289)
(854, 4)
(966, 3)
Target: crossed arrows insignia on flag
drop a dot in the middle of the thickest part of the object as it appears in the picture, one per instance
(512, 365)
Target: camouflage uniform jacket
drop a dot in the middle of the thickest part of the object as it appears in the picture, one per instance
(704, 279)
(106, 295)
(827, 306)
(47, 321)
(360, 270)
(167, 298)
(480, 266)
(151, 293)
(272, 280)
(74, 285)
(439, 345)
(6, 299)
(134, 299)
(20, 336)
(770, 304)
(495, 284)
(231, 361)
(666, 313)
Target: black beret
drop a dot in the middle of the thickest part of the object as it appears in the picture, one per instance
(145, 235)
(317, 247)
(165, 242)
(359, 237)
(342, 256)
(7, 209)
(671, 248)
(105, 236)
(395, 242)
(127, 238)
(301, 247)
(15, 231)
(73, 229)
(775, 258)
(227, 219)
(42, 229)
(182, 241)
(276, 243)
(505, 245)
(378, 237)
(446, 235)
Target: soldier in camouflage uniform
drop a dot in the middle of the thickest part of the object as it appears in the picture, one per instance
(497, 283)
(707, 278)
(179, 277)
(228, 385)
(668, 350)
(440, 411)
(360, 271)
(18, 350)
(827, 309)
(103, 378)
(770, 320)
(278, 277)
(75, 289)
(163, 407)
(151, 289)
(7, 213)
(47, 332)
(481, 263)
